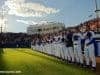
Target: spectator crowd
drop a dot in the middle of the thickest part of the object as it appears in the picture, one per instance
(14, 40)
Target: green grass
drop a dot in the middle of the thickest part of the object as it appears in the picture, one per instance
(30, 62)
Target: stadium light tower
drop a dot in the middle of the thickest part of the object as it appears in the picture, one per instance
(3, 19)
(1, 28)
(97, 11)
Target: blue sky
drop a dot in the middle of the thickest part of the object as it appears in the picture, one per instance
(69, 12)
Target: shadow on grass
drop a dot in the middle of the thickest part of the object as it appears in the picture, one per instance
(41, 56)
(51, 58)
(55, 60)
(2, 62)
(1, 51)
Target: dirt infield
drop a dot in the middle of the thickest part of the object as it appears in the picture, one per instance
(98, 59)
(98, 66)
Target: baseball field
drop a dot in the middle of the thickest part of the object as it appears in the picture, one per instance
(24, 61)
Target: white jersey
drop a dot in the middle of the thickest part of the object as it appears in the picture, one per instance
(77, 37)
(60, 39)
(56, 39)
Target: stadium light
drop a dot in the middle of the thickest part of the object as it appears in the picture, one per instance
(97, 11)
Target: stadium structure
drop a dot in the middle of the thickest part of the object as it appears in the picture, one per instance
(43, 28)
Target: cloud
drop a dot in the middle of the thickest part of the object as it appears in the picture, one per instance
(30, 22)
(23, 9)
(22, 21)
(27, 22)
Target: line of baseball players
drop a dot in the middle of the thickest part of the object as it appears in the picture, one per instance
(75, 47)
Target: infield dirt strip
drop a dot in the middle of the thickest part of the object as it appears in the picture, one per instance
(98, 66)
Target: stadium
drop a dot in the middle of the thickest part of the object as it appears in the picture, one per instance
(18, 53)
(50, 47)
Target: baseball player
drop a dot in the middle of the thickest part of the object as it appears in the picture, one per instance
(56, 44)
(77, 37)
(62, 46)
(69, 44)
(89, 49)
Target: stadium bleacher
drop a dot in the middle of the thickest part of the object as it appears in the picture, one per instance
(12, 40)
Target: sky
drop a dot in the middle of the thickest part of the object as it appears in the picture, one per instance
(19, 14)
